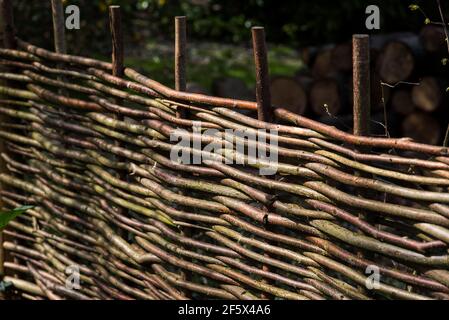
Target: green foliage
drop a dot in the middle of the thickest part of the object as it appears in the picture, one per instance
(7, 216)
(296, 23)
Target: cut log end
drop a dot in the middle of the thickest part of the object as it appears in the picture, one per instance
(341, 57)
(432, 38)
(233, 88)
(325, 97)
(427, 95)
(395, 62)
(323, 66)
(289, 94)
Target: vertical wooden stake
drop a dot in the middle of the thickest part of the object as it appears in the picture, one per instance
(118, 58)
(361, 84)
(263, 95)
(180, 53)
(361, 94)
(180, 85)
(115, 22)
(180, 59)
(9, 42)
(57, 10)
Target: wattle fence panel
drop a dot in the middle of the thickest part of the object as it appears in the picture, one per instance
(343, 217)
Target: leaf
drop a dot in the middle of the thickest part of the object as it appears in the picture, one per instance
(427, 21)
(7, 216)
(413, 7)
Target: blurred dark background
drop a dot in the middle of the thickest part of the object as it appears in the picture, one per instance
(297, 23)
(309, 53)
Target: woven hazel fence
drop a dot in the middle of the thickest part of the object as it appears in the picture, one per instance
(87, 143)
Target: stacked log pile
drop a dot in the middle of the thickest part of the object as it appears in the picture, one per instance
(413, 93)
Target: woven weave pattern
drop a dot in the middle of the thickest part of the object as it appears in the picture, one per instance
(92, 152)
